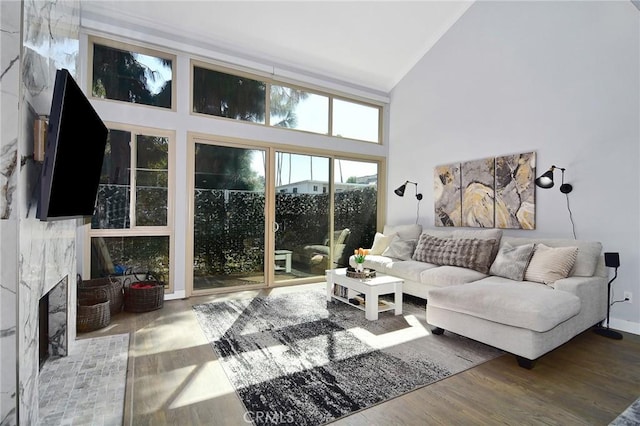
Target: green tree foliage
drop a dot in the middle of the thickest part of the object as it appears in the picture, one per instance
(118, 75)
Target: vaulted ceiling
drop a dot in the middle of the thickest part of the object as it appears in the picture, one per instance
(371, 44)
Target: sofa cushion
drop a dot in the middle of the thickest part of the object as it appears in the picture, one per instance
(405, 232)
(444, 276)
(549, 264)
(468, 253)
(380, 243)
(527, 305)
(589, 252)
(482, 234)
(511, 262)
(408, 269)
(400, 248)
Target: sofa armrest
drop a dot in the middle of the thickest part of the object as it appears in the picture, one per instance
(592, 292)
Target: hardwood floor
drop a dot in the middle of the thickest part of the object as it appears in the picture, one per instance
(174, 379)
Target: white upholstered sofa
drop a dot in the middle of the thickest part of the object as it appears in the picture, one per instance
(518, 299)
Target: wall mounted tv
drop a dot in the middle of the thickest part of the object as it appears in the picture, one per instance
(76, 140)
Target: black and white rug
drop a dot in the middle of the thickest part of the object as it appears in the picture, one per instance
(629, 417)
(295, 359)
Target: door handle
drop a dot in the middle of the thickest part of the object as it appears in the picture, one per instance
(276, 226)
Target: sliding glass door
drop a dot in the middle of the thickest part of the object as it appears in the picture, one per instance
(263, 216)
(228, 217)
(302, 215)
(355, 206)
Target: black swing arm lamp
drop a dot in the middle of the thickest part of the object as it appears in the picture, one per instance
(546, 180)
(399, 191)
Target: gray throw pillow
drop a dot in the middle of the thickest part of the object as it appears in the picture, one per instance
(400, 249)
(467, 253)
(511, 262)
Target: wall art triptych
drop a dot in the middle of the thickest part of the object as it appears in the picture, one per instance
(489, 193)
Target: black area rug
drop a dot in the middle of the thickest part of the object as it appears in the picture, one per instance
(295, 359)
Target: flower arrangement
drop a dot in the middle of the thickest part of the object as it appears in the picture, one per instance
(360, 254)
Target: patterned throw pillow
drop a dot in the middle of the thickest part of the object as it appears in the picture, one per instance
(550, 264)
(511, 262)
(400, 249)
(467, 253)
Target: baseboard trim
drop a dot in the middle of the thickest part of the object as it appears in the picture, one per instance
(628, 326)
(176, 295)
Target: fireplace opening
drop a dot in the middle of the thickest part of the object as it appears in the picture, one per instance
(43, 329)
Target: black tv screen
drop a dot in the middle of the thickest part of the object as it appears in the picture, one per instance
(75, 144)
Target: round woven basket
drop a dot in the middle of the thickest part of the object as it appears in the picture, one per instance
(92, 314)
(96, 288)
(148, 298)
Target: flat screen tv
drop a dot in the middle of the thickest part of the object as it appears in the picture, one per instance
(74, 151)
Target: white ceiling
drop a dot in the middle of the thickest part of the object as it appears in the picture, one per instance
(371, 44)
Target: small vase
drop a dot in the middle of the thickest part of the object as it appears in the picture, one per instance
(359, 267)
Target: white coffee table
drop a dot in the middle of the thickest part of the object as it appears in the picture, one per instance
(370, 287)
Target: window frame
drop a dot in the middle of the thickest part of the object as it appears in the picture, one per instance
(133, 48)
(269, 81)
(135, 230)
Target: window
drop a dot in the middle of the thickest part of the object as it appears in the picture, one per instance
(131, 74)
(355, 121)
(242, 96)
(295, 190)
(227, 95)
(300, 110)
(315, 188)
(132, 225)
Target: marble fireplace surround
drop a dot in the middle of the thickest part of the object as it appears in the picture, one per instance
(37, 38)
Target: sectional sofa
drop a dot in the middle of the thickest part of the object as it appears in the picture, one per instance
(526, 296)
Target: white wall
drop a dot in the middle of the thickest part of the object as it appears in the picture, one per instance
(558, 78)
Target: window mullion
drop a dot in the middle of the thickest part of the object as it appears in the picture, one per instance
(132, 179)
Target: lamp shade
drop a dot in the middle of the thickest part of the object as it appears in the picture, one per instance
(546, 179)
(400, 190)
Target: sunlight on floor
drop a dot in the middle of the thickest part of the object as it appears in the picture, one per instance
(180, 387)
(392, 338)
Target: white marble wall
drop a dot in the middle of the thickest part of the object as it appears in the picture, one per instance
(9, 90)
(36, 256)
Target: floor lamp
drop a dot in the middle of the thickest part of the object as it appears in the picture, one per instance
(611, 260)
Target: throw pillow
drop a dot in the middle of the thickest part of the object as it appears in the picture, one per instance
(400, 249)
(406, 232)
(481, 234)
(467, 253)
(380, 243)
(550, 264)
(511, 262)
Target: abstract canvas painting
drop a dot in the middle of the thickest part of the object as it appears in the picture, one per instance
(446, 194)
(515, 191)
(478, 193)
(489, 193)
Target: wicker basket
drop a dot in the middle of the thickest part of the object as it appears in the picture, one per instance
(94, 288)
(92, 314)
(143, 299)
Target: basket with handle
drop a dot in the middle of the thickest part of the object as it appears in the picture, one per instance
(94, 288)
(143, 294)
(93, 312)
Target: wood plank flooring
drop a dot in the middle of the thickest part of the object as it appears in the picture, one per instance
(174, 379)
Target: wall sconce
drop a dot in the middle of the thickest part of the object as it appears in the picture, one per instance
(400, 190)
(400, 193)
(546, 180)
